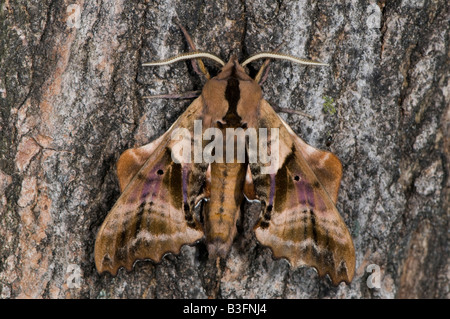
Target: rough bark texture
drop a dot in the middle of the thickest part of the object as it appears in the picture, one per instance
(72, 99)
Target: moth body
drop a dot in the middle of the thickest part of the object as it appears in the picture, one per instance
(227, 107)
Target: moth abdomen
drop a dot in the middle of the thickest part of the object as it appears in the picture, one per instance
(222, 213)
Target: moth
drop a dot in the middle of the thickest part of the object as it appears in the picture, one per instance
(160, 189)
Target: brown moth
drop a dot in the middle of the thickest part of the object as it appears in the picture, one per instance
(155, 213)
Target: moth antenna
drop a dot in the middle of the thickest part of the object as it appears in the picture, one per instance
(262, 76)
(281, 56)
(186, 56)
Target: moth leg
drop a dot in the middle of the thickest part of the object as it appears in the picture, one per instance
(188, 209)
(184, 95)
(249, 188)
(267, 209)
(291, 111)
(203, 70)
(207, 187)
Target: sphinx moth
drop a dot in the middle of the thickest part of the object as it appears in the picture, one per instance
(160, 187)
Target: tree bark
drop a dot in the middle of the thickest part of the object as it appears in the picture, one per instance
(72, 99)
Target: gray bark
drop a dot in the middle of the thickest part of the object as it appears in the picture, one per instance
(71, 100)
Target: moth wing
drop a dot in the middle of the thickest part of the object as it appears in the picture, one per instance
(153, 216)
(300, 221)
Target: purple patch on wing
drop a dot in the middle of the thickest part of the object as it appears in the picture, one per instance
(300, 185)
(309, 194)
(272, 188)
(152, 184)
(148, 184)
